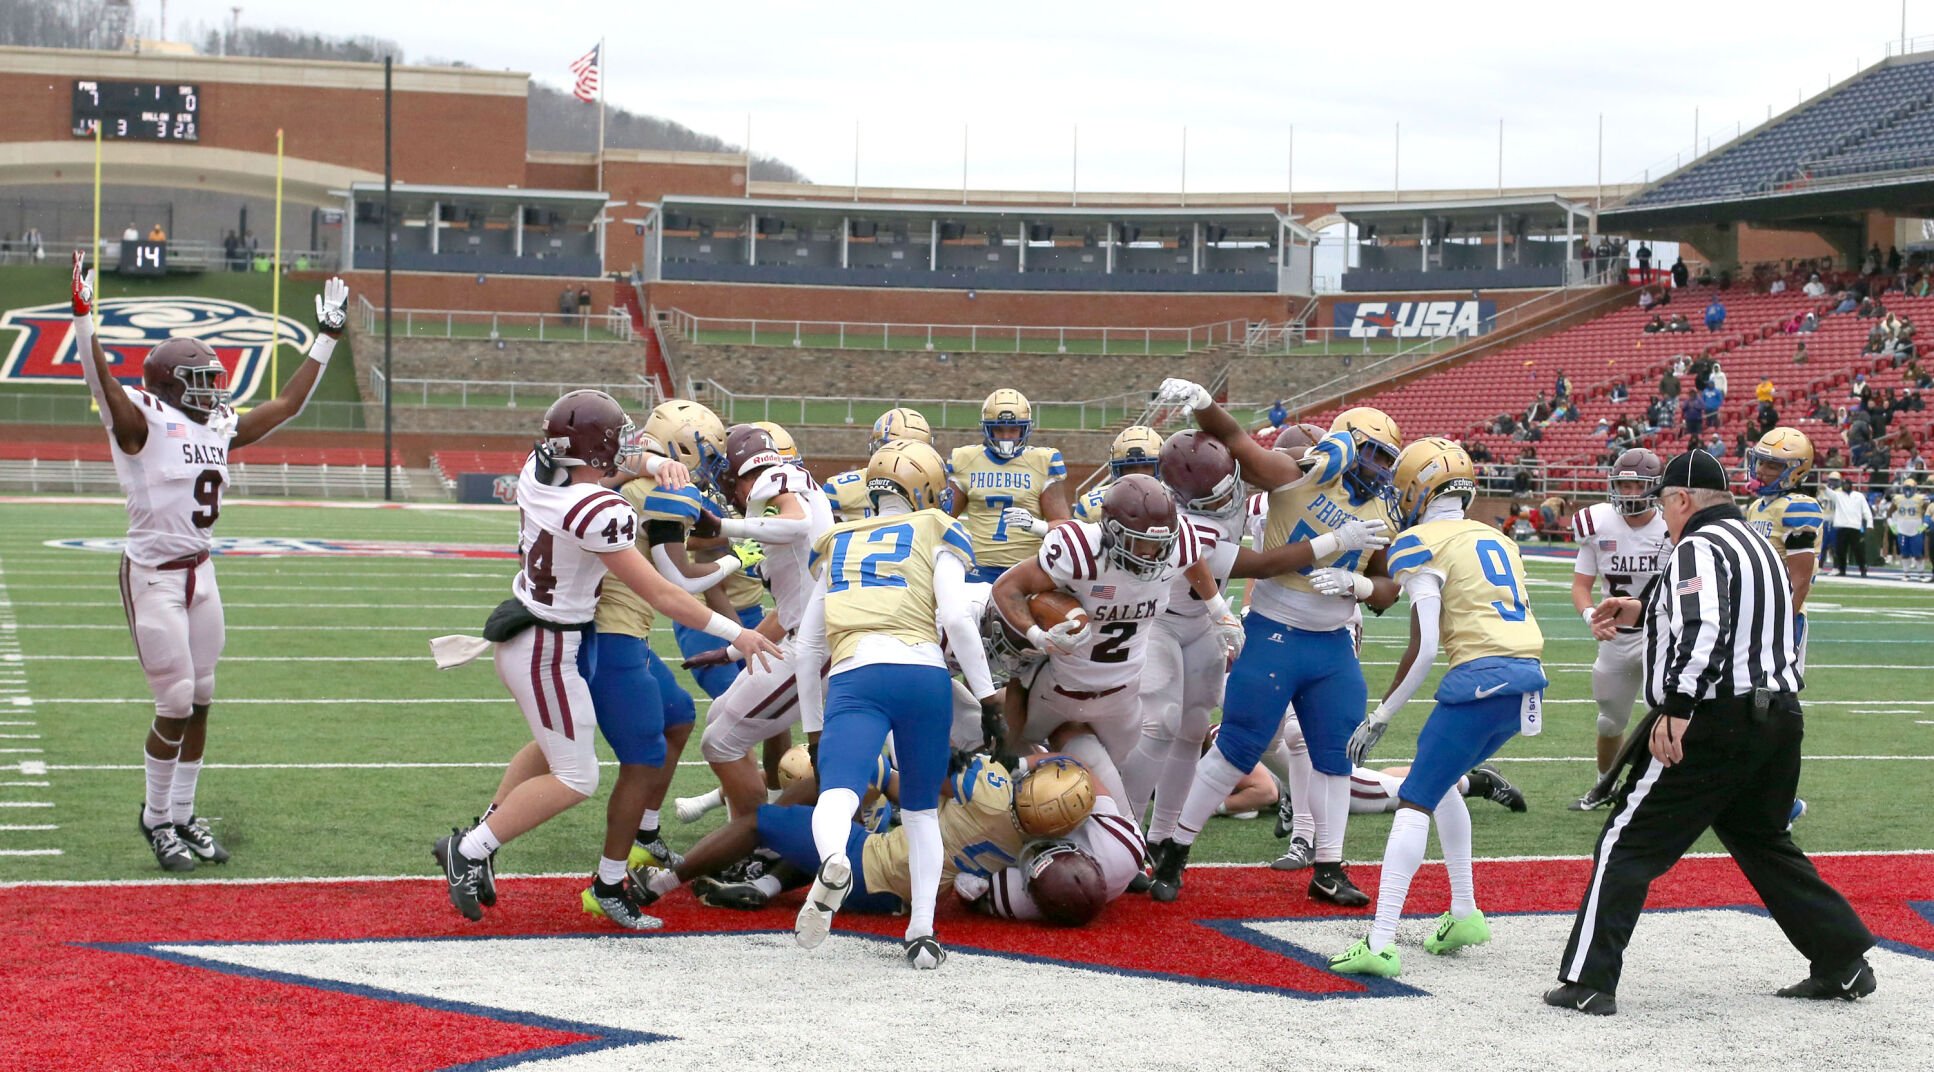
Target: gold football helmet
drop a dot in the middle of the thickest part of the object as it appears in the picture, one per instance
(908, 469)
(1428, 468)
(1053, 797)
(1786, 453)
(1377, 445)
(797, 763)
(1138, 449)
(901, 423)
(688, 432)
(1006, 410)
(781, 440)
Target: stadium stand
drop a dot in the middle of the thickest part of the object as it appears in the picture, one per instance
(450, 464)
(85, 467)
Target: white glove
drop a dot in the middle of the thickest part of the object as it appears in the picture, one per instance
(1342, 583)
(1367, 734)
(971, 887)
(332, 307)
(1187, 393)
(1017, 517)
(1228, 633)
(1064, 638)
(1354, 535)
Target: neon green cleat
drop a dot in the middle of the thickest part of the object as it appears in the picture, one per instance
(1457, 933)
(1358, 960)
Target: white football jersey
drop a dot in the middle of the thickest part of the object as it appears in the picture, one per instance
(1122, 606)
(560, 532)
(1219, 540)
(785, 567)
(174, 484)
(1627, 557)
(1114, 841)
(1256, 517)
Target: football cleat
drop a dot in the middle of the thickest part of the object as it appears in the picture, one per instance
(1794, 815)
(643, 894)
(1285, 815)
(1581, 998)
(1591, 801)
(461, 872)
(169, 851)
(924, 953)
(1170, 859)
(743, 896)
(1852, 986)
(829, 890)
(201, 841)
(1301, 854)
(617, 904)
(651, 852)
(1495, 789)
(1142, 881)
(1358, 960)
(1333, 885)
(487, 881)
(1453, 933)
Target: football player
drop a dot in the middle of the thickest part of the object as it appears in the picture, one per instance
(1776, 467)
(1138, 449)
(1466, 586)
(846, 491)
(572, 530)
(1908, 519)
(170, 439)
(1624, 541)
(1002, 472)
(782, 508)
(889, 586)
(1301, 645)
(1123, 572)
(1109, 848)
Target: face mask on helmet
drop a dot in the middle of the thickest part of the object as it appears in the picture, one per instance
(1226, 501)
(1376, 466)
(1144, 554)
(1769, 475)
(1632, 497)
(1008, 653)
(203, 388)
(1006, 437)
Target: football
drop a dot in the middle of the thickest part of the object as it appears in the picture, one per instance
(1052, 608)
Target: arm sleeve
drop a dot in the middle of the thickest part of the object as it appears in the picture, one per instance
(809, 656)
(766, 529)
(1425, 589)
(84, 344)
(953, 613)
(662, 560)
(1699, 588)
(1007, 895)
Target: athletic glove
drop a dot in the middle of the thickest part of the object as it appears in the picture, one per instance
(1228, 633)
(1342, 583)
(1185, 393)
(1017, 517)
(1064, 638)
(993, 726)
(332, 308)
(1367, 734)
(83, 290)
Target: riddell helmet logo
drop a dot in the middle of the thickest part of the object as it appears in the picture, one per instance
(43, 349)
(1412, 320)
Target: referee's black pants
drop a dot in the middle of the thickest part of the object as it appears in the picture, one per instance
(1738, 777)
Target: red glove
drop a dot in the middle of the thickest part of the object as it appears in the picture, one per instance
(715, 657)
(83, 292)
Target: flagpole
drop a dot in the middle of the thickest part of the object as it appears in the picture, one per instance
(603, 71)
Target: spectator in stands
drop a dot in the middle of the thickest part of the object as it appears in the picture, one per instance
(1768, 417)
(1693, 413)
(157, 233)
(584, 304)
(567, 303)
(1893, 260)
(1821, 411)
(1505, 424)
(1911, 400)
(1479, 452)
(1858, 389)
(1705, 275)
(1645, 262)
(1765, 390)
(1809, 323)
(1848, 302)
(1717, 378)
(31, 243)
(1539, 411)
(1715, 444)
(1715, 314)
(1800, 356)
(1278, 415)
(1585, 253)
(1678, 324)
(1620, 392)
(1711, 398)
(1814, 288)
(1876, 340)
(1681, 275)
(1561, 388)
(1836, 458)
(1873, 261)
(1669, 384)
(1870, 308)
(1646, 300)
(129, 234)
(1654, 325)
(1777, 286)
(1701, 372)
(1657, 415)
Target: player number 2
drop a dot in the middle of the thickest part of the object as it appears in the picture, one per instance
(1497, 569)
(208, 492)
(1113, 648)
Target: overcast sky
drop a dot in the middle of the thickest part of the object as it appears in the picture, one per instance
(1131, 75)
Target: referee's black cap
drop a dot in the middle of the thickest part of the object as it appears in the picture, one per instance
(1695, 469)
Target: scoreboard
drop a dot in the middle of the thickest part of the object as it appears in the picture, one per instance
(137, 111)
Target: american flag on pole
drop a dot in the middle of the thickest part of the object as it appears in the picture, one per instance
(585, 70)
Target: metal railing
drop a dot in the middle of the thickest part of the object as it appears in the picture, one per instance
(965, 338)
(506, 394)
(1107, 414)
(613, 325)
(182, 256)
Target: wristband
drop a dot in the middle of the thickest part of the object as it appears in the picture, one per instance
(726, 629)
(653, 463)
(1587, 612)
(1323, 546)
(1219, 607)
(729, 565)
(322, 348)
(1038, 527)
(1037, 637)
(1380, 716)
(733, 653)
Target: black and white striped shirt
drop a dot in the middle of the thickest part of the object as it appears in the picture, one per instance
(1719, 619)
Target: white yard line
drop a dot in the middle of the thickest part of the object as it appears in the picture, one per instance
(17, 700)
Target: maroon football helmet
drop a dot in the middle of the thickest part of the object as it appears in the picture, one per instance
(587, 428)
(1139, 525)
(1202, 473)
(749, 450)
(1635, 466)
(1066, 884)
(186, 374)
(1294, 439)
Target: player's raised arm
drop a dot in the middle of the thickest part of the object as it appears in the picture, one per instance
(118, 412)
(331, 317)
(1261, 467)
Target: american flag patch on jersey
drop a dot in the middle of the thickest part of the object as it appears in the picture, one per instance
(1102, 591)
(1608, 545)
(1691, 585)
(177, 430)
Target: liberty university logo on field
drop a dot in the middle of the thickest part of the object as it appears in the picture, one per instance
(44, 349)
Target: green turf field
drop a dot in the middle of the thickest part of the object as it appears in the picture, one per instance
(337, 749)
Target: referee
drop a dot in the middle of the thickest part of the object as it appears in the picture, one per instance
(1722, 680)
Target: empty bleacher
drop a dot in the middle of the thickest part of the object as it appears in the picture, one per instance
(260, 470)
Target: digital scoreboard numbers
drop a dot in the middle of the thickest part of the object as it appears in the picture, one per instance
(137, 111)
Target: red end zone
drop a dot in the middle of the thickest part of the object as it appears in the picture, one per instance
(83, 988)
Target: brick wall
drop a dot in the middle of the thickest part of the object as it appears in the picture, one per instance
(889, 305)
(842, 373)
(497, 293)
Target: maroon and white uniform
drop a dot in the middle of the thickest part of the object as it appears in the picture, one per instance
(561, 532)
(1107, 835)
(763, 701)
(1099, 685)
(1627, 557)
(174, 486)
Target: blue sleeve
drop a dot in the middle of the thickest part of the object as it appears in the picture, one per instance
(956, 537)
(1407, 553)
(1338, 451)
(685, 503)
(1056, 467)
(961, 784)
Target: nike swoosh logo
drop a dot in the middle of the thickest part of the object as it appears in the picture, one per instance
(1848, 985)
(1585, 1001)
(1492, 691)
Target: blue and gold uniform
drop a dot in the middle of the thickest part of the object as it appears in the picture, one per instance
(846, 494)
(1908, 519)
(668, 517)
(636, 696)
(992, 485)
(1088, 507)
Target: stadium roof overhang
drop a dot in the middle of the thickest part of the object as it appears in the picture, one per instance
(1260, 222)
(413, 199)
(1908, 194)
(1541, 214)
